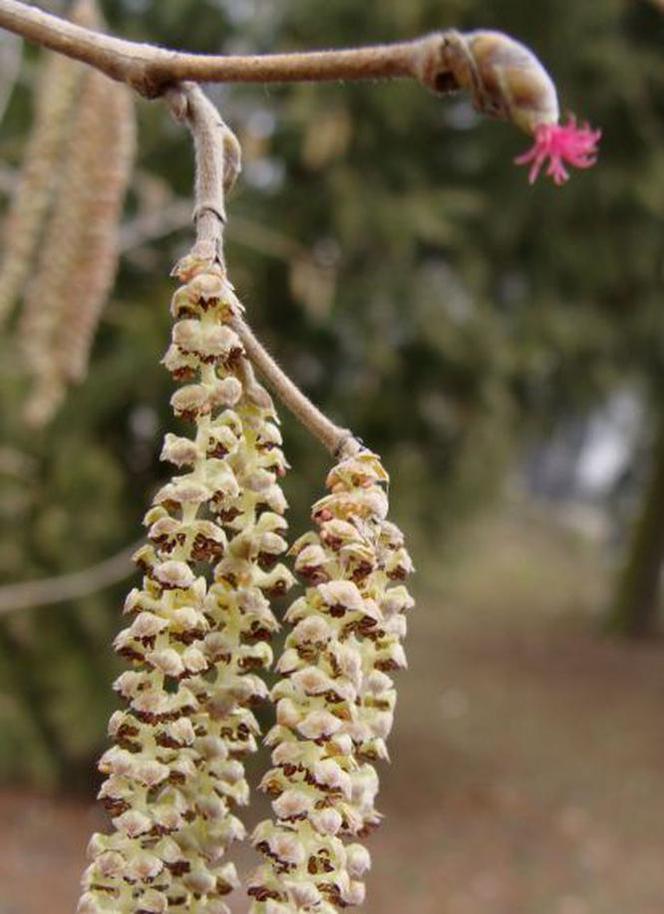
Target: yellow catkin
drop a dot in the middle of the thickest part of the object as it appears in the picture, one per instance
(78, 259)
(335, 700)
(198, 629)
(55, 97)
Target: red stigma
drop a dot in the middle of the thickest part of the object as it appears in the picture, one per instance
(560, 144)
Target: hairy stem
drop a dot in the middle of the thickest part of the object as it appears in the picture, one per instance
(331, 436)
(150, 70)
(218, 162)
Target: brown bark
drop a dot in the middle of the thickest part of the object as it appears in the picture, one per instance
(635, 608)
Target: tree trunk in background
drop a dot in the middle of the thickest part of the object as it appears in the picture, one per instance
(19, 668)
(634, 612)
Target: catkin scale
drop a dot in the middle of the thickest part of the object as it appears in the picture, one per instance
(199, 630)
(335, 699)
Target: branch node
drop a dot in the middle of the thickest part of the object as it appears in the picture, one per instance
(437, 62)
(348, 446)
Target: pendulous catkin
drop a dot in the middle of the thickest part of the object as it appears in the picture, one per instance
(335, 700)
(78, 259)
(55, 98)
(199, 629)
(108, 171)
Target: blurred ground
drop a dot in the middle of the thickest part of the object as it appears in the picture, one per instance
(527, 757)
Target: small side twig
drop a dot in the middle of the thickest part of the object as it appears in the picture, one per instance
(218, 162)
(74, 586)
(330, 435)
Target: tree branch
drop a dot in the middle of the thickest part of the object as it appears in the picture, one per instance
(334, 438)
(218, 163)
(151, 69)
(45, 591)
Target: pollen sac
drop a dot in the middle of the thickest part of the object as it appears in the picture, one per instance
(196, 632)
(335, 697)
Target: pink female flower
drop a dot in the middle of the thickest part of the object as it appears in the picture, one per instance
(561, 144)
